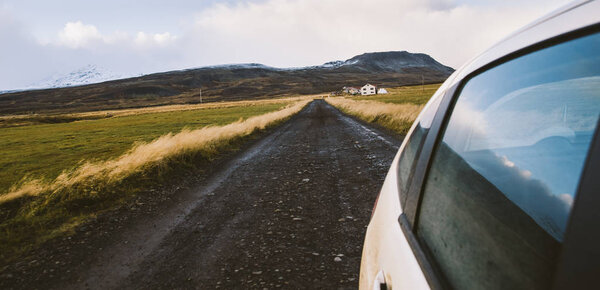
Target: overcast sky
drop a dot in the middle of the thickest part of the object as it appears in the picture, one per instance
(42, 38)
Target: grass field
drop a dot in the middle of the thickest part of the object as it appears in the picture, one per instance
(44, 151)
(79, 169)
(396, 110)
(54, 118)
(418, 95)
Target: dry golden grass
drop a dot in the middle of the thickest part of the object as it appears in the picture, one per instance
(397, 117)
(146, 154)
(38, 210)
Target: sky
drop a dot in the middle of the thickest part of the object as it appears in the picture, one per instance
(39, 39)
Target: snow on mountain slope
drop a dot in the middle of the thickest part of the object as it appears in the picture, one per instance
(86, 75)
(89, 74)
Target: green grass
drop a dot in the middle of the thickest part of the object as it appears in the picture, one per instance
(43, 151)
(417, 95)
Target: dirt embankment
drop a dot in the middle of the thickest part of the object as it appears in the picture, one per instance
(289, 212)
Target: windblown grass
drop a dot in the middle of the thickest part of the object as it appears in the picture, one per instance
(396, 117)
(37, 210)
(396, 110)
(205, 139)
(44, 151)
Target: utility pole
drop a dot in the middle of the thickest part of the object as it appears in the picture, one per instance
(422, 84)
(200, 95)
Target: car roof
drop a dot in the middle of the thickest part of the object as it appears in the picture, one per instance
(573, 16)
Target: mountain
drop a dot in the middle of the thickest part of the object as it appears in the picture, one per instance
(225, 83)
(89, 74)
(395, 61)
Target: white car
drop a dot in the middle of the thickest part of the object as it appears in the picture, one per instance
(497, 184)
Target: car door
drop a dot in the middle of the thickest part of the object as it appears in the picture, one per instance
(505, 198)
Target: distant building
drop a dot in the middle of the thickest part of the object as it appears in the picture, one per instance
(368, 89)
(351, 90)
(382, 91)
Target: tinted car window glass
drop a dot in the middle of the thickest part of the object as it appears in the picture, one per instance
(504, 176)
(412, 149)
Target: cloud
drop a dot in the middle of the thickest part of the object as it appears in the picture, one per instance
(21, 57)
(281, 33)
(79, 35)
(315, 31)
(144, 39)
(534, 195)
(25, 60)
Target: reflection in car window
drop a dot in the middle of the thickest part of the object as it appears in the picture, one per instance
(503, 179)
(412, 149)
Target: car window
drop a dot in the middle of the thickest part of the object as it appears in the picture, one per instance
(412, 149)
(503, 179)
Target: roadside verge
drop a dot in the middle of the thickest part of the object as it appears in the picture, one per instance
(37, 211)
(395, 117)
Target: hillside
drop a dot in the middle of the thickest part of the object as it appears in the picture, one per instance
(229, 82)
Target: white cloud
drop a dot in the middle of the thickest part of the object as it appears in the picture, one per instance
(145, 39)
(566, 198)
(77, 34)
(76, 45)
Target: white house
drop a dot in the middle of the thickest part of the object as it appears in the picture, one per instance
(368, 89)
(382, 91)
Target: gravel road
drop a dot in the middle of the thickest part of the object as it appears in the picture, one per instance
(288, 212)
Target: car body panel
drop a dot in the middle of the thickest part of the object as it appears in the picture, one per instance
(386, 249)
(384, 232)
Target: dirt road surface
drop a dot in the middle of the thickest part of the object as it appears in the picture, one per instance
(288, 212)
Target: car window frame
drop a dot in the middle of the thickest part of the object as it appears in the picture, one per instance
(409, 212)
(579, 245)
(580, 250)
